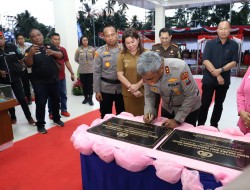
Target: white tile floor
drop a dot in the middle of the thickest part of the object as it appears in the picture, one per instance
(22, 129)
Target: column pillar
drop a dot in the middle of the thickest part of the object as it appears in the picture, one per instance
(159, 21)
(66, 25)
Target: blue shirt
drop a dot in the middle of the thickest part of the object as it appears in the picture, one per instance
(219, 55)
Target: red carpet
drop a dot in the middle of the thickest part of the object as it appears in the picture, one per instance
(44, 162)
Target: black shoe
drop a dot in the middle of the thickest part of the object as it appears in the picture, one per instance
(13, 121)
(85, 101)
(41, 129)
(59, 123)
(29, 102)
(91, 102)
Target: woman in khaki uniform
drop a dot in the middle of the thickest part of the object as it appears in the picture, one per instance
(132, 84)
(84, 56)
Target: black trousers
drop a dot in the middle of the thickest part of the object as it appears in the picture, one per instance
(206, 99)
(26, 78)
(87, 83)
(107, 103)
(17, 88)
(191, 117)
(42, 93)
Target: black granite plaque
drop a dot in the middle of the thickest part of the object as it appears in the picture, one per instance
(142, 134)
(220, 151)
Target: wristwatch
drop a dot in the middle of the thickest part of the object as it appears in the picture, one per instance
(222, 69)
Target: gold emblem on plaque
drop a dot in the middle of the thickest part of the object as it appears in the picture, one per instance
(121, 134)
(204, 154)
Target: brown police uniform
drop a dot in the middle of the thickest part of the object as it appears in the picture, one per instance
(171, 52)
(127, 63)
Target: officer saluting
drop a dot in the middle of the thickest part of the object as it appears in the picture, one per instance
(107, 87)
(166, 49)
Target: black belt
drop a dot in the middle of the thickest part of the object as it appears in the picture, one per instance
(110, 81)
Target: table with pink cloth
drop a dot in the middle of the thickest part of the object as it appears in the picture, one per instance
(108, 163)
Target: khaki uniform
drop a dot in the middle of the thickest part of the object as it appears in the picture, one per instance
(105, 75)
(178, 89)
(171, 52)
(127, 63)
(85, 58)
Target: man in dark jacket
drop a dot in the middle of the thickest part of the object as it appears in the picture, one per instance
(11, 60)
(45, 76)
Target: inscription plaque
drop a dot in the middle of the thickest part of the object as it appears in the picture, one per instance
(142, 134)
(220, 151)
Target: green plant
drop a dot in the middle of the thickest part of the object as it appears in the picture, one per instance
(77, 88)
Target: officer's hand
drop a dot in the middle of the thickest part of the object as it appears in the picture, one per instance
(170, 123)
(137, 94)
(148, 118)
(98, 96)
(220, 80)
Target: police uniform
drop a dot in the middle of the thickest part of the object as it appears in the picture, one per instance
(171, 52)
(84, 56)
(105, 79)
(178, 89)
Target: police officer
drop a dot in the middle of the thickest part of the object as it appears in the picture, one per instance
(106, 85)
(166, 49)
(84, 56)
(172, 79)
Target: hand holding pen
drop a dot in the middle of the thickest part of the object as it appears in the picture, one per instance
(148, 118)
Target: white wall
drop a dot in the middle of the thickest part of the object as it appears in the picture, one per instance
(66, 25)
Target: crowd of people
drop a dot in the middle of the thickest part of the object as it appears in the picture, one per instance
(136, 80)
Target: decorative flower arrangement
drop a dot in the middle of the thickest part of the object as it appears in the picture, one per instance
(77, 88)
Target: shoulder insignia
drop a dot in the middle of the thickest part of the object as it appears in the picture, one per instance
(96, 54)
(167, 70)
(156, 44)
(175, 45)
(185, 78)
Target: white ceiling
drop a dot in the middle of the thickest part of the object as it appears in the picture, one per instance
(173, 4)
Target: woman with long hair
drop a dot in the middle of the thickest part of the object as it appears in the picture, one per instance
(132, 89)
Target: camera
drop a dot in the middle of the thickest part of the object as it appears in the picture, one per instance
(42, 49)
